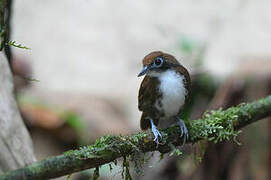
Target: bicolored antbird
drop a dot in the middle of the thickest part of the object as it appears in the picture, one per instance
(163, 92)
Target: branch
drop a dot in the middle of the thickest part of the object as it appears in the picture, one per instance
(214, 126)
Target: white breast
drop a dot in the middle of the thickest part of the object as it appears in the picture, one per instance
(173, 92)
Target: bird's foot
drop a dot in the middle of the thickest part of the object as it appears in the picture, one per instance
(184, 131)
(155, 132)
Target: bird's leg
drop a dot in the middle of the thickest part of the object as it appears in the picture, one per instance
(155, 132)
(184, 131)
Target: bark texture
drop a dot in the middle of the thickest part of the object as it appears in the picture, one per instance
(15, 142)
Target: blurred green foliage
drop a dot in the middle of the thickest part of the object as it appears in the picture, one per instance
(73, 120)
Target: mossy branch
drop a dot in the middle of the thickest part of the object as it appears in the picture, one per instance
(214, 126)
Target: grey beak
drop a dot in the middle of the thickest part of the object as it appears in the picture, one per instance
(144, 71)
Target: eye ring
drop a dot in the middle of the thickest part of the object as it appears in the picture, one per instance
(158, 61)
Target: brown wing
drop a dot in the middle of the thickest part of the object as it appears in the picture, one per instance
(147, 96)
(187, 81)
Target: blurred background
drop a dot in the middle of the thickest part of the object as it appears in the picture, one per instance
(79, 80)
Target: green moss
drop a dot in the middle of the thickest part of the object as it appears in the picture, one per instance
(96, 174)
(126, 169)
(102, 147)
(68, 177)
(107, 146)
(215, 125)
(199, 152)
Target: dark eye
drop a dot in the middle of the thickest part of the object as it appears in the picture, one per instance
(158, 61)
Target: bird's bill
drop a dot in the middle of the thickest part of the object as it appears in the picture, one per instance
(143, 71)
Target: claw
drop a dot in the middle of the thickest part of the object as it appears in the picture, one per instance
(184, 131)
(155, 132)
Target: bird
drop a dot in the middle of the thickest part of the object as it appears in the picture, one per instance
(163, 92)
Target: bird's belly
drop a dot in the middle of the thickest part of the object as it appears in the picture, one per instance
(173, 94)
(170, 105)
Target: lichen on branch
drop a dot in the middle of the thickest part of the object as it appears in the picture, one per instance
(215, 125)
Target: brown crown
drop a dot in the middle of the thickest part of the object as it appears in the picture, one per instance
(148, 59)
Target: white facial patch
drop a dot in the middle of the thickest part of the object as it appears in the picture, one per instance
(173, 92)
(154, 74)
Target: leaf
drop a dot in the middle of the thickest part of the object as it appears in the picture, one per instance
(15, 44)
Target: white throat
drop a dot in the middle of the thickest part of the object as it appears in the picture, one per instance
(173, 91)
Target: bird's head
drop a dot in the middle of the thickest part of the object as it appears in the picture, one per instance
(157, 62)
